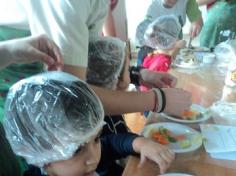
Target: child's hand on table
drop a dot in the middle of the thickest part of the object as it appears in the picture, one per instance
(153, 151)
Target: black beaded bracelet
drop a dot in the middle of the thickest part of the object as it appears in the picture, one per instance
(163, 100)
(134, 73)
(160, 100)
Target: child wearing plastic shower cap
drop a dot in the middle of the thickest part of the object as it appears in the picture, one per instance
(54, 121)
(105, 64)
(51, 117)
(162, 34)
(106, 58)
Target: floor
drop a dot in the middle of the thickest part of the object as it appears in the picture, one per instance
(135, 121)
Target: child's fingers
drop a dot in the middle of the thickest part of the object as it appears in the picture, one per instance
(142, 160)
(40, 56)
(170, 154)
(167, 156)
(164, 159)
(162, 163)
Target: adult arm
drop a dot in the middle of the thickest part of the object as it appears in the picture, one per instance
(119, 102)
(109, 25)
(31, 49)
(195, 17)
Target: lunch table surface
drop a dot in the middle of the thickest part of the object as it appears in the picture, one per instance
(206, 85)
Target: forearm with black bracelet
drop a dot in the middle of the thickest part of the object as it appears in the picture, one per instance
(159, 100)
(159, 94)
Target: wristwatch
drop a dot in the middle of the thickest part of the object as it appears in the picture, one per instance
(134, 73)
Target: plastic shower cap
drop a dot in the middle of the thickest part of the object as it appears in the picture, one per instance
(106, 60)
(140, 31)
(163, 32)
(48, 116)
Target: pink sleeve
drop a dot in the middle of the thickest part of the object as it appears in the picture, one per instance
(158, 63)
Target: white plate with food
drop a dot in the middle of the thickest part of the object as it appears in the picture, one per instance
(187, 65)
(195, 114)
(192, 58)
(179, 138)
(187, 59)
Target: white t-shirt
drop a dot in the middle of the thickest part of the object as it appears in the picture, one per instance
(69, 23)
(13, 14)
(156, 9)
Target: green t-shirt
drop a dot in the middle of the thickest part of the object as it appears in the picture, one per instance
(15, 72)
(192, 11)
(220, 22)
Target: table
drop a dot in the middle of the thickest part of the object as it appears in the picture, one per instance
(206, 86)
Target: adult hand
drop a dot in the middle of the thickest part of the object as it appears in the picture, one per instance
(195, 28)
(177, 101)
(157, 79)
(153, 151)
(31, 49)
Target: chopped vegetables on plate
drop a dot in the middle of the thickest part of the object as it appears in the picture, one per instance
(195, 114)
(191, 114)
(185, 144)
(179, 138)
(164, 136)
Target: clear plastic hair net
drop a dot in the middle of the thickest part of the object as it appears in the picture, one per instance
(140, 31)
(50, 115)
(163, 32)
(106, 60)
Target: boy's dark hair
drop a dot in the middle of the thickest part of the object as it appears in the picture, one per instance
(47, 117)
(106, 59)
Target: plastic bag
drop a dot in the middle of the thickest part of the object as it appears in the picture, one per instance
(224, 112)
(225, 53)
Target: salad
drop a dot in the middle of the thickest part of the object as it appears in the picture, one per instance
(165, 136)
(191, 114)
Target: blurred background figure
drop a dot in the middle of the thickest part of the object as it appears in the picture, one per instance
(180, 9)
(220, 22)
(162, 35)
